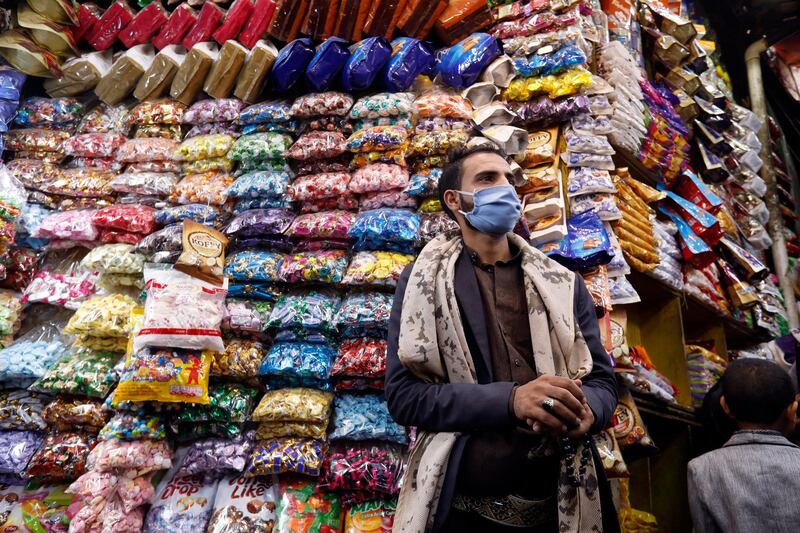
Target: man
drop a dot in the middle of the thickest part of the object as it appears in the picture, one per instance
(495, 356)
(750, 484)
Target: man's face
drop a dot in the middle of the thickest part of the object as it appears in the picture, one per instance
(480, 171)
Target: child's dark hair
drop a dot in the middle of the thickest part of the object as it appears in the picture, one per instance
(454, 171)
(757, 391)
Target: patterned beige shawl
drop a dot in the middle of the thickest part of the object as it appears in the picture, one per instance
(433, 346)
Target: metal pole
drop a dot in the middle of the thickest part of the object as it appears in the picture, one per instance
(752, 59)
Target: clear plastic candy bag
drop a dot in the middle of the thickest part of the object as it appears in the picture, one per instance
(364, 417)
(208, 188)
(262, 184)
(80, 372)
(276, 456)
(260, 146)
(213, 110)
(301, 361)
(148, 149)
(305, 310)
(367, 467)
(181, 311)
(103, 316)
(321, 104)
(325, 266)
(318, 145)
(385, 229)
(113, 259)
(378, 177)
(254, 265)
(319, 186)
(145, 183)
(376, 268)
(204, 147)
(294, 405)
(260, 222)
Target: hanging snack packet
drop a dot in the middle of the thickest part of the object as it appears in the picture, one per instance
(225, 70)
(245, 505)
(410, 58)
(203, 253)
(629, 430)
(257, 66)
(179, 23)
(125, 73)
(80, 74)
(181, 311)
(164, 375)
(328, 61)
(367, 59)
(208, 20)
(370, 516)
(291, 63)
(256, 27)
(188, 81)
(157, 79)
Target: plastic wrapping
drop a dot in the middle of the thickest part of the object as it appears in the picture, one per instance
(144, 25)
(276, 456)
(124, 75)
(305, 310)
(318, 186)
(410, 58)
(328, 61)
(376, 268)
(302, 362)
(208, 188)
(105, 31)
(367, 59)
(318, 145)
(192, 73)
(322, 104)
(244, 505)
(288, 17)
(26, 56)
(291, 63)
(157, 79)
(253, 265)
(253, 75)
(131, 218)
(224, 72)
(82, 373)
(180, 22)
(82, 182)
(364, 417)
(326, 266)
(258, 23)
(303, 507)
(16, 450)
(103, 316)
(80, 74)
(174, 510)
(373, 468)
(208, 20)
(217, 455)
(385, 229)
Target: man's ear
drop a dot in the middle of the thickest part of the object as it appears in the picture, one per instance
(453, 200)
(725, 407)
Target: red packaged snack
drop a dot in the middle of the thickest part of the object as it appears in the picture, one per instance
(256, 26)
(350, 21)
(131, 218)
(88, 15)
(106, 30)
(461, 18)
(208, 21)
(289, 14)
(178, 25)
(144, 25)
(321, 18)
(238, 14)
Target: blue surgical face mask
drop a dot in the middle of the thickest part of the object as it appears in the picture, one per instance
(495, 210)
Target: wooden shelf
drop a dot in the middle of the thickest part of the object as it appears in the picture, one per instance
(673, 412)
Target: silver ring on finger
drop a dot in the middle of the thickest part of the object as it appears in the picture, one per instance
(549, 404)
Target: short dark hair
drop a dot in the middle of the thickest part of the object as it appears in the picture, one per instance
(756, 390)
(454, 171)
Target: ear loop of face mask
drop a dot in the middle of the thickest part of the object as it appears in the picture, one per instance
(468, 194)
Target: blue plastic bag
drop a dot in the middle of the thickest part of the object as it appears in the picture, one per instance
(291, 63)
(385, 229)
(367, 59)
(410, 58)
(586, 245)
(301, 361)
(327, 63)
(464, 61)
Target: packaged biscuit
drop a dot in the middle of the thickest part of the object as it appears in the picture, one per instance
(225, 70)
(157, 80)
(125, 73)
(203, 252)
(192, 73)
(253, 74)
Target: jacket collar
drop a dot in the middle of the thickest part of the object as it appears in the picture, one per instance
(744, 437)
(469, 300)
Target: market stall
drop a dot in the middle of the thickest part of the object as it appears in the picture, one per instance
(205, 209)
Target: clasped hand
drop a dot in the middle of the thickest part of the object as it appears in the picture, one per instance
(570, 415)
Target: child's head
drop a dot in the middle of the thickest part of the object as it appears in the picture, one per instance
(758, 394)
